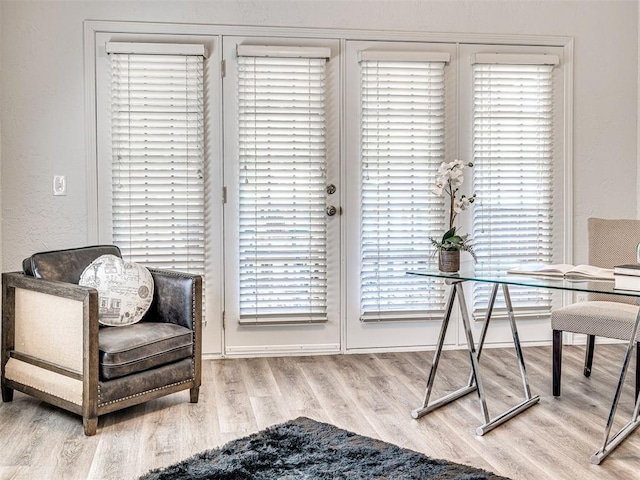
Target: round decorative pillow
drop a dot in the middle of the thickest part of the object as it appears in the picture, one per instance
(125, 289)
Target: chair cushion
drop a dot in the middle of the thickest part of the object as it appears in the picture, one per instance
(145, 345)
(602, 319)
(125, 289)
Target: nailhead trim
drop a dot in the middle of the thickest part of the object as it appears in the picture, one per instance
(141, 393)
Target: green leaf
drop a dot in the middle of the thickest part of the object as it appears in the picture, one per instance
(449, 234)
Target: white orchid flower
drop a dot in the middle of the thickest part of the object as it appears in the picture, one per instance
(456, 178)
(461, 204)
(457, 164)
(443, 169)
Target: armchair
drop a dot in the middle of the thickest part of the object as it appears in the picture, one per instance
(54, 349)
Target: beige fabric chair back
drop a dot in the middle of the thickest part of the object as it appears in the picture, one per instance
(612, 242)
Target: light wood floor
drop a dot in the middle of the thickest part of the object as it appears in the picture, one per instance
(371, 394)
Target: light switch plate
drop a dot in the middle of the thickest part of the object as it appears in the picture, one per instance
(59, 185)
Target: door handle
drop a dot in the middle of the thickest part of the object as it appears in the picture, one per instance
(331, 210)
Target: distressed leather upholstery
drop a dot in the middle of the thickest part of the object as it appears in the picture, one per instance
(122, 366)
(115, 391)
(65, 265)
(172, 299)
(139, 347)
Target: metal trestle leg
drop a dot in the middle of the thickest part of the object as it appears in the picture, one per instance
(426, 408)
(528, 399)
(475, 382)
(609, 444)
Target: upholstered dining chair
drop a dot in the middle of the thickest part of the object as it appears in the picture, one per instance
(54, 349)
(611, 243)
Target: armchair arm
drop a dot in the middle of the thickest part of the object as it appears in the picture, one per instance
(177, 299)
(50, 326)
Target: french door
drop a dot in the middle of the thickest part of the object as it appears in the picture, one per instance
(399, 128)
(282, 190)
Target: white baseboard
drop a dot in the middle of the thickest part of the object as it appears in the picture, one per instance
(334, 349)
(282, 350)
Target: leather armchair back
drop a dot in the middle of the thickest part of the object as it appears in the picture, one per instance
(65, 265)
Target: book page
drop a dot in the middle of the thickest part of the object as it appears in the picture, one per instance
(589, 271)
(565, 270)
(557, 270)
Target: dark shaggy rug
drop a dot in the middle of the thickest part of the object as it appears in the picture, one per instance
(306, 449)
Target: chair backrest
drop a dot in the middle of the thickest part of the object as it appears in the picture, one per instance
(65, 265)
(613, 242)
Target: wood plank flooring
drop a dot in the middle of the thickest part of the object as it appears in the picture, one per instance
(371, 394)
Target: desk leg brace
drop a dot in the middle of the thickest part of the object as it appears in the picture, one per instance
(475, 358)
(609, 444)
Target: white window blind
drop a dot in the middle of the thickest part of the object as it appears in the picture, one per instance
(282, 225)
(513, 173)
(402, 144)
(157, 158)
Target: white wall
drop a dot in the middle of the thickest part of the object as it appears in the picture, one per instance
(42, 96)
(1, 110)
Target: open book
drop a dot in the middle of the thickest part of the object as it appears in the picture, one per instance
(565, 270)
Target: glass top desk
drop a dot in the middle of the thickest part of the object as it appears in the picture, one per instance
(609, 442)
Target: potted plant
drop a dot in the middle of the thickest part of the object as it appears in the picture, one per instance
(450, 178)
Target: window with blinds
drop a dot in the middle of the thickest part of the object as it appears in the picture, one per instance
(282, 197)
(402, 144)
(513, 171)
(157, 126)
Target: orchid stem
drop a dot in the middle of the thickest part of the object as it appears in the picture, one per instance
(452, 194)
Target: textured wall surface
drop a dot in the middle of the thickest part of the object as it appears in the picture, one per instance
(42, 94)
(1, 41)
